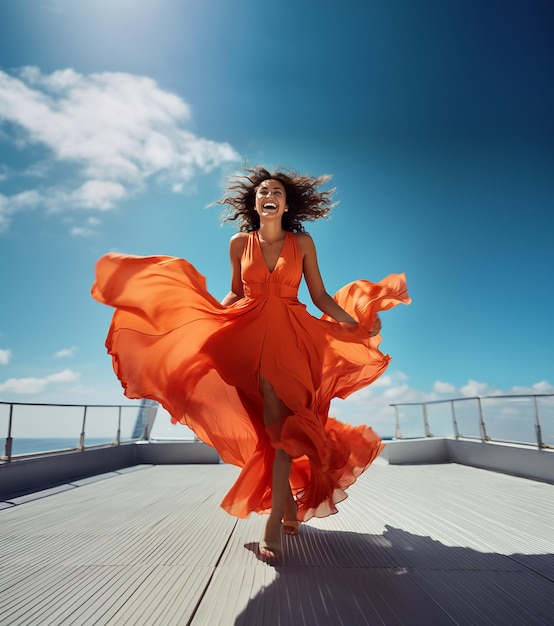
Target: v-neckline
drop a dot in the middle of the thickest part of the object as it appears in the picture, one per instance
(278, 257)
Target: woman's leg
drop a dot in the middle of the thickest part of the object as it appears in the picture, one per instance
(290, 515)
(274, 410)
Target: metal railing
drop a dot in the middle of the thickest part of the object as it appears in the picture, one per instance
(523, 419)
(78, 415)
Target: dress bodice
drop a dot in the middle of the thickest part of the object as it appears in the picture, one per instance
(285, 278)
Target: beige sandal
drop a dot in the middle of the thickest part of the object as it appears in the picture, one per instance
(291, 527)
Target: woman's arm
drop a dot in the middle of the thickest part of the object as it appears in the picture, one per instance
(236, 247)
(322, 300)
(318, 294)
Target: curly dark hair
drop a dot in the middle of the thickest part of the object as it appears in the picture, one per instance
(305, 201)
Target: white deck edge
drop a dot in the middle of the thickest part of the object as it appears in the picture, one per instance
(514, 459)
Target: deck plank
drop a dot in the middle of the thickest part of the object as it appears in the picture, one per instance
(442, 544)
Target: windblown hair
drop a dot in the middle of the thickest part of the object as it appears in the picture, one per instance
(305, 201)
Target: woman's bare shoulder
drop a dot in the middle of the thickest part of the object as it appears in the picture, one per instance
(305, 241)
(239, 236)
(238, 239)
(237, 242)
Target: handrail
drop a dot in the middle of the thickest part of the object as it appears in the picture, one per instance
(481, 422)
(92, 406)
(494, 397)
(8, 446)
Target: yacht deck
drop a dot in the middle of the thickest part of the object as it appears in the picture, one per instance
(413, 544)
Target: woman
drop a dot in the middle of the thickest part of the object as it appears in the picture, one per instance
(253, 376)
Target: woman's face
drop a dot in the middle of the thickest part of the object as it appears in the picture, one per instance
(271, 200)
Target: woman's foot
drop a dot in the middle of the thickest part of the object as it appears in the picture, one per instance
(270, 550)
(270, 546)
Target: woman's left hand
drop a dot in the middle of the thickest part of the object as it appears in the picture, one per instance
(376, 328)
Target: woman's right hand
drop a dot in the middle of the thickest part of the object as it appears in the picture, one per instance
(352, 326)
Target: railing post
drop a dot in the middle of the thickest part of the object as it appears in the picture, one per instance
(540, 442)
(118, 435)
(82, 437)
(426, 421)
(484, 436)
(9, 440)
(454, 422)
(398, 434)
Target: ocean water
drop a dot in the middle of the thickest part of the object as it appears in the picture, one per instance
(24, 445)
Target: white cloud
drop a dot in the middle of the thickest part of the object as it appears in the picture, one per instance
(9, 205)
(117, 130)
(384, 381)
(65, 376)
(98, 194)
(79, 231)
(23, 385)
(474, 388)
(393, 393)
(390, 379)
(88, 229)
(5, 356)
(443, 388)
(372, 405)
(39, 169)
(29, 386)
(65, 352)
(537, 388)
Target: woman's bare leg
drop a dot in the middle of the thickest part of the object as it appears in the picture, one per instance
(290, 515)
(274, 410)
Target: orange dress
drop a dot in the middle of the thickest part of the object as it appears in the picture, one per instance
(173, 342)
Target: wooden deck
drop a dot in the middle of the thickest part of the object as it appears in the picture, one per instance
(435, 544)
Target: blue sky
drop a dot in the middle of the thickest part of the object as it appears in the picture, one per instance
(121, 121)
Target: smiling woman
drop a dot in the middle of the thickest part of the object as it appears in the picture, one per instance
(440, 170)
(254, 375)
(247, 197)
